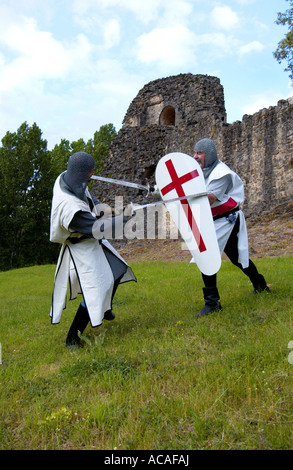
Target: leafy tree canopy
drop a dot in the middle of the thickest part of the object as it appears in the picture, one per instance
(97, 147)
(284, 50)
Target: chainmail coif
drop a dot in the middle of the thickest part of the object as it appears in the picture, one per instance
(76, 176)
(208, 147)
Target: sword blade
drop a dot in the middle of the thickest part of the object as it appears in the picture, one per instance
(121, 182)
(176, 199)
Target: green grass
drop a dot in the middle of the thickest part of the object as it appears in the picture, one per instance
(155, 377)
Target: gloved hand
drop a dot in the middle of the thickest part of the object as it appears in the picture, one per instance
(156, 192)
(115, 212)
(102, 209)
(128, 210)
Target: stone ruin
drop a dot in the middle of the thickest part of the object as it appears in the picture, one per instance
(171, 114)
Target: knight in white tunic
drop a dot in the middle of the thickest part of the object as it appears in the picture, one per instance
(226, 193)
(87, 261)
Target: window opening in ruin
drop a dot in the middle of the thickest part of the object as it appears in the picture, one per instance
(167, 117)
(149, 171)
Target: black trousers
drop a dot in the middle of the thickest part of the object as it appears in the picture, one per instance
(231, 250)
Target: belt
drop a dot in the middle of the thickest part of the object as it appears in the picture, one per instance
(226, 214)
(75, 240)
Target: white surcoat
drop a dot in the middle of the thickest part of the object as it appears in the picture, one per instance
(230, 201)
(83, 265)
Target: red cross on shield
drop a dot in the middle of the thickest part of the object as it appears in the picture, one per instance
(177, 184)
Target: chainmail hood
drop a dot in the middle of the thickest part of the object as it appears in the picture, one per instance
(208, 147)
(76, 176)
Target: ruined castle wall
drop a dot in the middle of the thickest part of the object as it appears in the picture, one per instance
(192, 97)
(134, 155)
(259, 148)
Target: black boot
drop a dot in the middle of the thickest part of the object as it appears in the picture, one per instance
(109, 315)
(79, 324)
(212, 304)
(259, 284)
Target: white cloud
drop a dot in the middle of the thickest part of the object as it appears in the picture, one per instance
(175, 12)
(223, 17)
(220, 45)
(111, 77)
(161, 11)
(246, 2)
(168, 46)
(111, 33)
(144, 11)
(254, 46)
(179, 46)
(31, 54)
(37, 55)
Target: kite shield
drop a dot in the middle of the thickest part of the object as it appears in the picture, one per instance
(179, 175)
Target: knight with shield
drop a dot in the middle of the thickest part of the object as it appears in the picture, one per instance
(225, 193)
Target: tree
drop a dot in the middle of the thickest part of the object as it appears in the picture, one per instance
(59, 157)
(284, 50)
(25, 194)
(98, 148)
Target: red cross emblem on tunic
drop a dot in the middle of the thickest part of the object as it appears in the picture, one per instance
(176, 183)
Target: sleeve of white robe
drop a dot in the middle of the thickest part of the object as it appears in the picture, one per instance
(107, 226)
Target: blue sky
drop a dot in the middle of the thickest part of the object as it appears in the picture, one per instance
(74, 65)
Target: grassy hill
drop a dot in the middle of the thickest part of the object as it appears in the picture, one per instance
(155, 377)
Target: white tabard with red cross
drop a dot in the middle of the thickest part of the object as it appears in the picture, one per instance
(179, 175)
